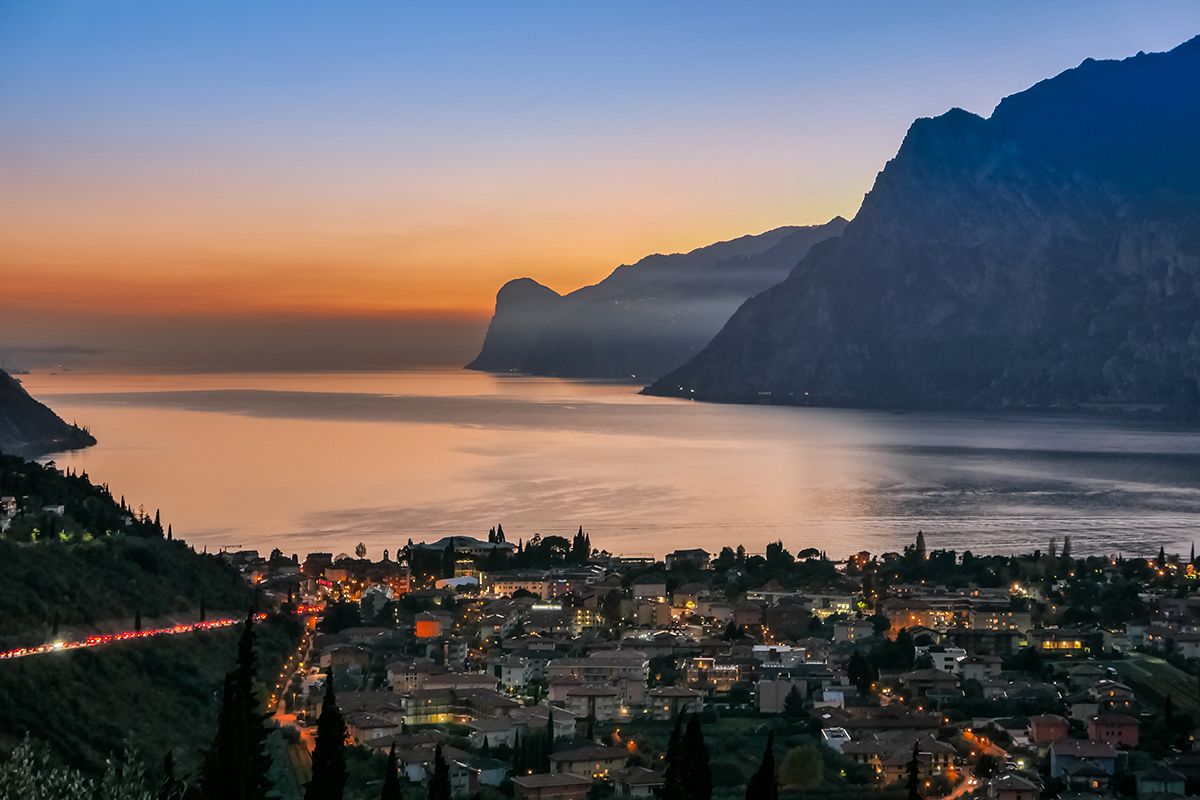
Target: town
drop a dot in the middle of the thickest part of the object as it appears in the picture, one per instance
(550, 670)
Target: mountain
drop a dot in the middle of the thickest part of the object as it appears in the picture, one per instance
(643, 319)
(1046, 257)
(29, 428)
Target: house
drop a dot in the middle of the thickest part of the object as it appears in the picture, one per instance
(688, 559)
(835, 738)
(1047, 728)
(854, 630)
(1160, 780)
(342, 657)
(362, 726)
(650, 590)
(592, 761)
(1066, 641)
(770, 694)
(1066, 753)
(1085, 777)
(637, 782)
(1114, 727)
(601, 703)
(922, 681)
(1011, 786)
(978, 668)
(668, 702)
(944, 659)
(560, 786)
(504, 730)
(1085, 676)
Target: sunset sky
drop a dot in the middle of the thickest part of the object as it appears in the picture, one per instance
(182, 178)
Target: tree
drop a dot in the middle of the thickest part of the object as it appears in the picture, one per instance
(1066, 553)
(137, 621)
(697, 774)
(793, 704)
(802, 767)
(674, 787)
(439, 783)
(907, 651)
(1162, 557)
(919, 549)
(391, 777)
(762, 785)
(914, 774)
(237, 763)
(329, 756)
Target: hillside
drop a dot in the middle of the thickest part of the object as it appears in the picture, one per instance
(29, 428)
(1046, 257)
(643, 319)
(96, 561)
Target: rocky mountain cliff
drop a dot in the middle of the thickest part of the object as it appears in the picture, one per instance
(1046, 257)
(28, 428)
(643, 319)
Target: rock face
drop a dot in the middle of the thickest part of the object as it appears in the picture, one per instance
(643, 319)
(28, 428)
(1046, 257)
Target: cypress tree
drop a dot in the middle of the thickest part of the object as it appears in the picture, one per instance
(1162, 558)
(170, 788)
(439, 784)
(548, 741)
(518, 761)
(237, 763)
(169, 537)
(137, 621)
(391, 778)
(697, 774)
(914, 775)
(328, 758)
(674, 787)
(762, 784)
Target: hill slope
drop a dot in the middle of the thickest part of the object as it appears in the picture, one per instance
(644, 318)
(29, 428)
(1046, 257)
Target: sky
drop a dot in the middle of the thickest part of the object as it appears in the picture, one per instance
(209, 185)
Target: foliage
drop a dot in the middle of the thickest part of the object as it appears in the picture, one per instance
(328, 758)
(762, 785)
(108, 578)
(31, 774)
(439, 782)
(161, 694)
(802, 767)
(237, 764)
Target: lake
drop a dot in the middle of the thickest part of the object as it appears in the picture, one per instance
(320, 462)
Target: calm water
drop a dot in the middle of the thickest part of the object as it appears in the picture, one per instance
(323, 461)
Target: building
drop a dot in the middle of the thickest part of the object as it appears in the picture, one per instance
(592, 761)
(979, 668)
(770, 694)
(1066, 753)
(853, 630)
(1115, 728)
(668, 702)
(1047, 728)
(945, 659)
(637, 782)
(561, 786)
(688, 559)
(1011, 786)
(601, 703)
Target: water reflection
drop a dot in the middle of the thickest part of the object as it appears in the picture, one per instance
(323, 461)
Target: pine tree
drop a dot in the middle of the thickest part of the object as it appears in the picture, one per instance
(793, 704)
(391, 778)
(762, 785)
(697, 775)
(328, 757)
(439, 784)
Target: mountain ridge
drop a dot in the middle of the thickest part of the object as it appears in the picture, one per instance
(29, 428)
(644, 318)
(995, 265)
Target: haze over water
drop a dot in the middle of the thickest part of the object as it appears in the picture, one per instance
(320, 462)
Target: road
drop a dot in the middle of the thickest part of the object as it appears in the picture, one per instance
(96, 641)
